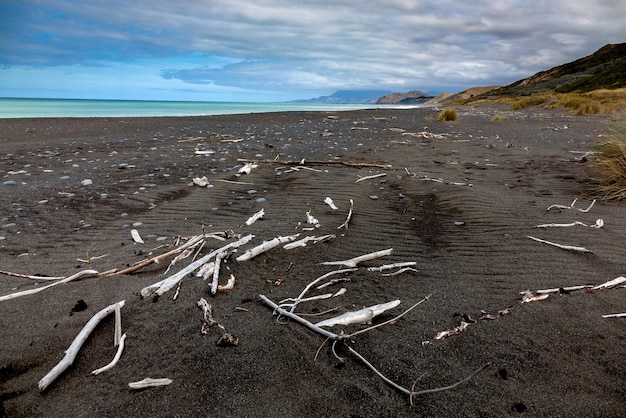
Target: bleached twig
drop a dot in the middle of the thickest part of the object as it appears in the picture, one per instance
(392, 266)
(247, 168)
(72, 351)
(615, 315)
(230, 284)
(356, 260)
(599, 224)
(561, 207)
(345, 224)
(255, 217)
(565, 247)
(316, 281)
(79, 275)
(304, 241)
(266, 246)
(371, 177)
(559, 289)
(149, 382)
(118, 354)
(216, 271)
(361, 316)
(528, 296)
(400, 271)
(311, 220)
(611, 283)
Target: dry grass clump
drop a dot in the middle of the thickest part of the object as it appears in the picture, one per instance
(609, 171)
(448, 115)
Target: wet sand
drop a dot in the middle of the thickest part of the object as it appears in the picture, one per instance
(460, 203)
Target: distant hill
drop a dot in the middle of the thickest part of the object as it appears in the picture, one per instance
(412, 97)
(604, 69)
(463, 95)
(348, 97)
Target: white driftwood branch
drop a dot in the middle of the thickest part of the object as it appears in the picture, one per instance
(371, 177)
(558, 289)
(117, 333)
(361, 316)
(528, 296)
(118, 354)
(166, 284)
(615, 315)
(247, 168)
(311, 220)
(392, 266)
(560, 207)
(599, 224)
(402, 270)
(148, 382)
(216, 271)
(611, 283)
(330, 203)
(206, 270)
(72, 351)
(266, 246)
(255, 217)
(564, 247)
(201, 181)
(345, 224)
(79, 275)
(316, 281)
(356, 260)
(304, 241)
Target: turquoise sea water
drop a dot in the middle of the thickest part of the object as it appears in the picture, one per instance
(44, 108)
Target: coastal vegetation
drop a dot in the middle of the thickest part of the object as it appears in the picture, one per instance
(448, 115)
(609, 171)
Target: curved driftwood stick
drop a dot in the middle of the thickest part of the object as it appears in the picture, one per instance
(72, 351)
(149, 382)
(79, 275)
(356, 260)
(118, 354)
(266, 246)
(316, 281)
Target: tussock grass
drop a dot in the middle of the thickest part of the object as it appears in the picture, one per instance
(448, 115)
(609, 171)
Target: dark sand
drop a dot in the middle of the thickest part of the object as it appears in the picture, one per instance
(556, 357)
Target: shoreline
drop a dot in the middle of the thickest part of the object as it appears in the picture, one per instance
(460, 200)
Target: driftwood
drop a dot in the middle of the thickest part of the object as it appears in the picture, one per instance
(564, 247)
(118, 354)
(79, 275)
(226, 340)
(616, 315)
(599, 224)
(330, 203)
(392, 266)
(136, 237)
(149, 382)
(216, 271)
(315, 162)
(345, 224)
(343, 338)
(304, 241)
(371, 177)
(166, 284)
(356, 260)
(361, 316)
(313, 283)
(252, 219)
(266, 246)
(561, 207)
(72, 351)
(311, 220)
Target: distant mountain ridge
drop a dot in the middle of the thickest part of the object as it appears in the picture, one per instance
(412, 97)
(347, 97)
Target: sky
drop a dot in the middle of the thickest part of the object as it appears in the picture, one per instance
(280, 50)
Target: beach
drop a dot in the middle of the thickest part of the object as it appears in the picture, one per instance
(459, 199)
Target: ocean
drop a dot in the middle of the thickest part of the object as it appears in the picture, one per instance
(54, 108)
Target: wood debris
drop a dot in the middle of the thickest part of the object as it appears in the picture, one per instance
(360, 259)
(330, 203)
(571, 206)
(226, 340)
(564, 247)
(362, 316)
(266, 246)
(348, 217)
(149, 382)
(255, 217)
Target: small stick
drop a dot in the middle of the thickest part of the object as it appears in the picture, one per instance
(314, 282)
(80, 274)
(216, 271)
(303, 242)
(118, 354)
(358, 317)
(371, 177)
(148, 382)
(117, 334)
(255, 217)
(356, 260)
(72, 351)
(565, 247)
(230, 284)
(330, 203)
(610, 283)
(345, 224)
(27, 276)
(615, 315)
(395, 273)
(558, 289)
(572, 206)
(392, 266)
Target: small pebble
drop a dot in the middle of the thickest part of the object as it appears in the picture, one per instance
(161, 238)
(9, 225)
(64, 178)
(10, 183)
(260, 200)
(136, 224)
(86, 182)
(374, 197)
(459, 223)
(252, 191)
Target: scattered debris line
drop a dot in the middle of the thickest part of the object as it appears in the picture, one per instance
(316, 162)
(565, 247)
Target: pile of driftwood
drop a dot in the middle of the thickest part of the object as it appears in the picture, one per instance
(209, 267)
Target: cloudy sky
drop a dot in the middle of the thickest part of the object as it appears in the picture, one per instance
(276, 50)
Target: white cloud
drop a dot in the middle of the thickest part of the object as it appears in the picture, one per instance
(309, 45)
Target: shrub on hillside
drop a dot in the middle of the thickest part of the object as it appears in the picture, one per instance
(609, 171)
